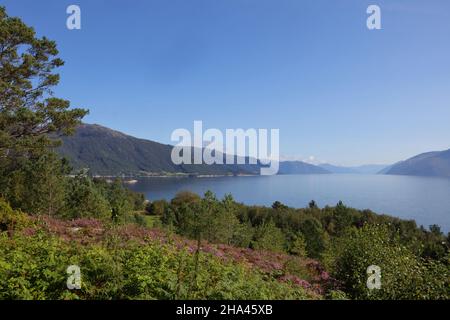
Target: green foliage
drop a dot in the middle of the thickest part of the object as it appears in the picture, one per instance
(403, 275)
(346, 240)
(153, 221)
(343, 218)
(207, 218)
(298, 246)
(243, 234)
(313, 205)
(34, 267)
(157, 207)
(98, 198)
(114, 270)
(318, 227)
(10, 219)
(31, 268)
(268, 237)
(136, 199)
(277, 205)
(337, 295)
(312, 230)
(31, 119)
(85, 200)
(28, 111)
(121, 204)
(220, 219)
(39, 186)
(185, 198)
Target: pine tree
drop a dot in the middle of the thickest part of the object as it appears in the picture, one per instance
(31, 118)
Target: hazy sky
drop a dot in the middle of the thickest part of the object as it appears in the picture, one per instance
(336, 90)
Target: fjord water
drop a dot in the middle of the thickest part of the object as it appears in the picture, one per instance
(424, 199)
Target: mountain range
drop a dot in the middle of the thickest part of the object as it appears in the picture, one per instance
(364, 169)
(107, 152)
(436, 163)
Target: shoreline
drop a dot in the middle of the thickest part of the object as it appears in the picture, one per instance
(133, 177)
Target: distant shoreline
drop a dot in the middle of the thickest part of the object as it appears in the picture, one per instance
(134, 177)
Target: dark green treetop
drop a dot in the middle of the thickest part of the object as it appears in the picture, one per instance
(29, 112)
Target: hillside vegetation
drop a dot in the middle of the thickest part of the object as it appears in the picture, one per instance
(108, 152)
(434, 164)
(131, 262)
(205, 248)
(192, 247)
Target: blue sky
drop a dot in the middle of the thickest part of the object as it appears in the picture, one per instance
(336, 90)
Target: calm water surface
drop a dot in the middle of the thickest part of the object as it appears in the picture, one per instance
(426, 200)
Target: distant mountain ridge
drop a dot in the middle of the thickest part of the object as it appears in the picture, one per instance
(300, 167)
(363, 169)
(435, 163)
(337, 169)
(107, 152)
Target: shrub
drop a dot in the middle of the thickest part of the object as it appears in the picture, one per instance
(403, 275)
(10, 219)
(157, 207)
(313, 233)
(84, 199)
(298, 246)
(268, 237)
(34, 267)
